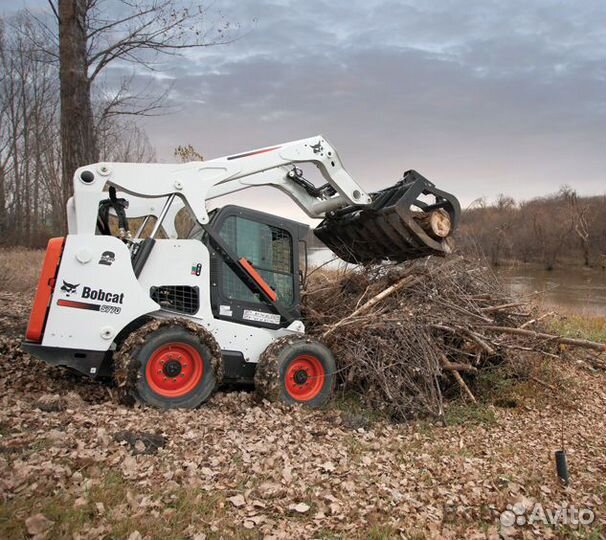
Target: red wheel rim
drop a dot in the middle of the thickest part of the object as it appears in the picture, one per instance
(304, 377)
(174, 369)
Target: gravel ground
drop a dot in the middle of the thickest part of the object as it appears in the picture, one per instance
(74, 464)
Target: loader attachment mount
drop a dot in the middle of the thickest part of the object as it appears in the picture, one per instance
(397, 225)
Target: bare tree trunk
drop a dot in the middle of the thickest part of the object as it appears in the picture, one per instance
(27, 218)
(3, 220)
(78, 141)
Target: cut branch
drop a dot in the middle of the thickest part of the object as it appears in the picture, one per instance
(446, 364)
(584, 343)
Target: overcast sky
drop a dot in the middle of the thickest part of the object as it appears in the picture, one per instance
(480, 96)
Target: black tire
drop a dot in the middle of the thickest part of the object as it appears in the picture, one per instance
(281, 364)
(168, 364)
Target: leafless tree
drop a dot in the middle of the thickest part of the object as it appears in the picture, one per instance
(95, 34)
(121, 139)
(578, 214)
(32, 199)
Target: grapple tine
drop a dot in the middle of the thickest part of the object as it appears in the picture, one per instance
(389, 228)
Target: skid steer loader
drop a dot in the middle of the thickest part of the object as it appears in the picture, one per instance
(171, 318)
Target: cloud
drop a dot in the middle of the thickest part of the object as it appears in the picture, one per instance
(481, 96)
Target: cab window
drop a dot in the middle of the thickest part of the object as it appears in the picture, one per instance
(270, 251)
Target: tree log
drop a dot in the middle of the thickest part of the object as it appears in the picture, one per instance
(436, 224)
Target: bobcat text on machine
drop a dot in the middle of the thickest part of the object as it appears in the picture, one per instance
(171, 318)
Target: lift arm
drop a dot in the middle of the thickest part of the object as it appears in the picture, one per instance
(198, 182)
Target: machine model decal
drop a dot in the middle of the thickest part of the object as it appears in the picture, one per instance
(196, 269)
(107, 258)
(88, 293)
(225, 311)
(260, 316)
(103, 308)
(69, 288)
(248, 154)
(78, 305)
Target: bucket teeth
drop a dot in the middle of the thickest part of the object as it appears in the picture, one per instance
(397, 225)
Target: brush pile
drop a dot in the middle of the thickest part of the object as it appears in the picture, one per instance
(407, 336)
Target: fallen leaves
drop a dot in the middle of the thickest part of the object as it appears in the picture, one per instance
(140, 441)
(300, 508)
(237, 500)
(236, 465)
(38, 524)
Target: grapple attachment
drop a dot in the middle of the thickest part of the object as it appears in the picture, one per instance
(397, 225)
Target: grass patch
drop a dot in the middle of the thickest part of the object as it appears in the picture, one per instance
(523, 379)
(356, 412)
(491, 383)
(381, 532)
(20, 269)
(168, 516)
(580, 326)
(458, 414)
(582, 533)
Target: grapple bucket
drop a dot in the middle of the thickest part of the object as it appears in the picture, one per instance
(397, 225)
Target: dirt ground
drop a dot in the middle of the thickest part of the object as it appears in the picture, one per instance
(74, 464)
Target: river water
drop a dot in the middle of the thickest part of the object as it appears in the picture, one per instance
(577, 289)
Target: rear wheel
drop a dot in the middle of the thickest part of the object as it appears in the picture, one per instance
(168, 364)
(296, 370)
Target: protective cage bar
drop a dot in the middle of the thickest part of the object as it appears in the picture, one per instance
(389, 228)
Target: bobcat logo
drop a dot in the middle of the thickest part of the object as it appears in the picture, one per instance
(69, 288)
(317, 148)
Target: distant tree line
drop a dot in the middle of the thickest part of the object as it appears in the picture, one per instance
(559, 228)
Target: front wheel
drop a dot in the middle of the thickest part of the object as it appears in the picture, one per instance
(296, 370)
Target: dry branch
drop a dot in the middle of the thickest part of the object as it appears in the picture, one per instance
(447, 365)
(492, 309)
(404, 282)
(532, 321)
(583, 343)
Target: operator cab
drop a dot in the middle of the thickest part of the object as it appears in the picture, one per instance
(269, 246)
(254, 257)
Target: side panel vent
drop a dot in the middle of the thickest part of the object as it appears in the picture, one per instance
(178, 298)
